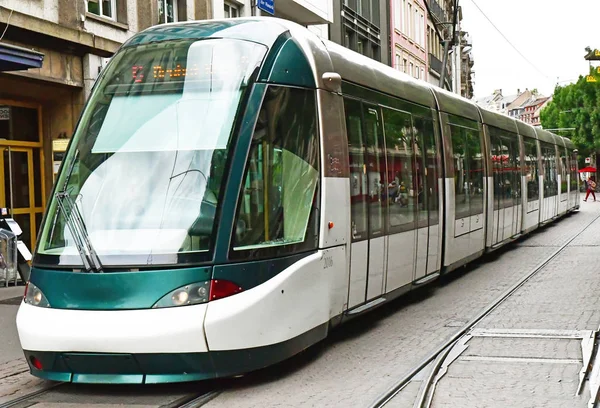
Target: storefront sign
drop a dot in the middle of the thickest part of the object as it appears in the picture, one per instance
(4, 113)
(267, 5)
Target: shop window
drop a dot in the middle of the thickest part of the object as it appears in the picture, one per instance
(19, 123)
(231, 11)
(277, 213)
(103, 8)
(167, 11)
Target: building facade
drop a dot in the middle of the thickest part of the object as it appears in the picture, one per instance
(362, 26)
(313, 14)
(531, 111)
(408, 24)
(439, 14)
(40, 106)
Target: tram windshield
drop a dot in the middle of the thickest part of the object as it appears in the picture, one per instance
(145, 169)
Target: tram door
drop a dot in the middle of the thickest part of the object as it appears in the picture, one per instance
(378, 200)
(422, 181)
(367, 203)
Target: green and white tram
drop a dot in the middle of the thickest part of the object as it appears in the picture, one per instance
(235, 189)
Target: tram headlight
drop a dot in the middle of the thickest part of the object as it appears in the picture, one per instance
(34, 296)
(191, 294)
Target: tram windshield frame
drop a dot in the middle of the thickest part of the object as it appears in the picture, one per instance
(147, 165)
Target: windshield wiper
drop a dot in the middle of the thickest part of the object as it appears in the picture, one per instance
(76, 225)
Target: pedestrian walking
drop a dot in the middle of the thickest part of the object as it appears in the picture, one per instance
(591, 186)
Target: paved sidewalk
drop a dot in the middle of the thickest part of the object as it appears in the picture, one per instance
(10, 347)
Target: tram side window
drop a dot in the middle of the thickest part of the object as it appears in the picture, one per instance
(377, 180)
(279, 192)
(476, 168)
(564, 183)
(573, 170)
(468, 171)
(425, 137)
(549, 160)
(507, 169)
(496, 153)
(531, 169)
(399, 146)
(358, 170)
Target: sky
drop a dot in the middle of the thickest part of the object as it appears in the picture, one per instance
(551, 34)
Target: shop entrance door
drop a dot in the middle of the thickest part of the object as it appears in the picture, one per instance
(21, 166)
(18, 190)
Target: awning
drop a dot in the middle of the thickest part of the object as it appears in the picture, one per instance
(13, 58)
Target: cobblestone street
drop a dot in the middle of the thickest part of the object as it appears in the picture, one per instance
(362, 359)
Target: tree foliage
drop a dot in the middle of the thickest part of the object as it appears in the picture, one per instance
(576, 106)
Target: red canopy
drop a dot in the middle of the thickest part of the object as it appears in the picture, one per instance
(588, 170)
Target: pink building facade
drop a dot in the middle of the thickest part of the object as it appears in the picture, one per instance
(409, 37)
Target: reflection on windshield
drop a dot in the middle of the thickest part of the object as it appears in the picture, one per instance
(151, 152)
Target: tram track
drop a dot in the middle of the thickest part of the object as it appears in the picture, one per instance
(192, 400)
(27, 397)
(440, 354)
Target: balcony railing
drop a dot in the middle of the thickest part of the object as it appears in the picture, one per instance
(436, 10)
(436, 65)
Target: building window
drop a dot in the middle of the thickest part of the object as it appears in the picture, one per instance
(417, 72)
(422, 73)
(404, 66)
(398, 67)
(410, 69)
(104, 8)
(359, 7)
(397, 15)
(403, 13)
(422, 31)
(231, 11)
(359, 47)
(167, 11)
(409, 25)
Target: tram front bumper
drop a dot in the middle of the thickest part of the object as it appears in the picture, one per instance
(120, 346)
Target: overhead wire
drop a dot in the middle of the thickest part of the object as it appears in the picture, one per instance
(508, 41)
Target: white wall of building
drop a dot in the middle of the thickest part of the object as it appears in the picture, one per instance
(322, 30)
(300, 11)
(44, 9)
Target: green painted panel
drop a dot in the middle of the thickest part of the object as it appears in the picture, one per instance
(271, 56)
(52, 376)
(251, 274)
(108, 379)
(114, 290)
(291, 67)
(177, 378)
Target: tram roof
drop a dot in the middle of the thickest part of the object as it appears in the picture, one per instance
(526, 129)
(545, 136)
(497, 120)
(450, 102)
(361, 70)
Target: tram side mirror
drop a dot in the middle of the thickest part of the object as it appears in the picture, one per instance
(332, 81)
